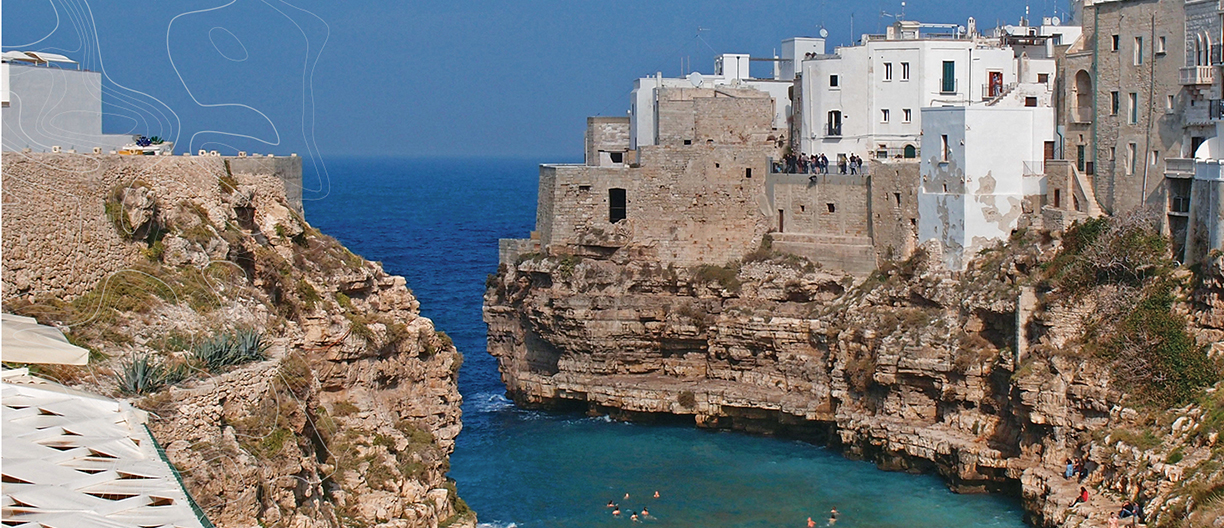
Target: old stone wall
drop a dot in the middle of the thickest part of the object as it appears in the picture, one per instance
(894, 208)
(1110, 137)
(606, 134)
(287, 169)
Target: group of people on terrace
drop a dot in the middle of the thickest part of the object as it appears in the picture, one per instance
(817, 164)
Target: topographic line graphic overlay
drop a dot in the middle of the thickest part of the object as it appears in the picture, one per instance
(182, 273)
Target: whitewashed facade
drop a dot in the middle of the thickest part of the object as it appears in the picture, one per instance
(979, 163)
(865, 99)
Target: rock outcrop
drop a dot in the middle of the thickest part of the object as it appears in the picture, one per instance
(971, 375)
(349, 417)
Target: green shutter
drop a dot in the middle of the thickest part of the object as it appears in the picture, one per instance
(949, 77)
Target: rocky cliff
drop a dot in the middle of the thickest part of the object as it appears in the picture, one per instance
(291, 382)
(992, 377)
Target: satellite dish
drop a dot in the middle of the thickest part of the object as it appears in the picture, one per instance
(824, 33)
(694, 79)
(1055, 21)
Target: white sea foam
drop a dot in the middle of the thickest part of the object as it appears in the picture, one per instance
(488, 402)
(496, 524)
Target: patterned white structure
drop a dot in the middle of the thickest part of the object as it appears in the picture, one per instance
(75, 460)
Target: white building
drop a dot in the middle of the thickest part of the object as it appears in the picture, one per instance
(979, 164)
(47, 106)
(865, 99)
(730, 69)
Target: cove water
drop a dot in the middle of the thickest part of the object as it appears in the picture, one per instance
(436, 222)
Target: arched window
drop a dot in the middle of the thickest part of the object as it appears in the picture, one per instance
(1083, 97)
(911, 152)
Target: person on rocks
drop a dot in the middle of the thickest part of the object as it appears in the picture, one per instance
(1081, 469)
(1113, 520)
(1083, 496)
(1070, 470)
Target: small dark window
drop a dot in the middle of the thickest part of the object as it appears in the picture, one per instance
(1116, 43)
(945, 187)
(897, 197)
(688, 142)
(616, 205)
(584, 188)
(1030, 101)
(1057, 198)
(1043, 78)
(748, 172)
(802, 208)
(617, 157)
(832, 208)
(717, 165)
(832, 81)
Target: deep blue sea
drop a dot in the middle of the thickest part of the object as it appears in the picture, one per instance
(436, 222)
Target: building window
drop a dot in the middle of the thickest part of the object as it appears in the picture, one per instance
(887, 71)
(1115, 44)
(904, 71)
(1160, 45)
(906, 115)
(897, 199)
(832, 208)
(1043, 78)
(1155, 160)
(1030, 101)
(884, 115)
(616, 205)
(833, 81)
(1179, 195)
(1138, 50)
(747, 172)
(949, 77)
(1113, 153)
(1114, 101)
(1169, 101)
(1133, 118)
(943, 147)
(1131, 154)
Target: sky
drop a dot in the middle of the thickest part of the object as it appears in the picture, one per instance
(421, 78)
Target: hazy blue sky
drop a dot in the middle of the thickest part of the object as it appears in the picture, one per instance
(466, 78)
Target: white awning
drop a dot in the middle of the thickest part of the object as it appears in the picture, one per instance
(23, 340)
(40, 57)
(75, 460)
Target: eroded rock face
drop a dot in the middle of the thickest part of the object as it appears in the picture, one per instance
(351, 417)
(915, 368)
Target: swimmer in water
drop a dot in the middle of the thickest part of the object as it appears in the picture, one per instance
(645, 513)
(615, 511)
(656, 494)
(634, 517)
(611, 504)
(811, 523)
(626, 496)
(832, 516)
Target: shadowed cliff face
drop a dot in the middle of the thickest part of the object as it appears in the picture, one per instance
(913, 368)
(349, 416)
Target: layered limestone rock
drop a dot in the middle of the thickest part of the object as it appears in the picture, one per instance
(913, 368)
(347, 421)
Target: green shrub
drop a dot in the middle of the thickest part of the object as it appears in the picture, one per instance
(726, 276)
(687, 399)
(1173, 367)
(230, 349)
(143, 374)
(1175, 456)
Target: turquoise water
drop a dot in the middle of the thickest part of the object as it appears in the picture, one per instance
(437, 222)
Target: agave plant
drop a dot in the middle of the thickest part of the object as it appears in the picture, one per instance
(141, 375)
(230, 349)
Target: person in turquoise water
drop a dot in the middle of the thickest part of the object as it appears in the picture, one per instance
(832, 516)
(811, 523)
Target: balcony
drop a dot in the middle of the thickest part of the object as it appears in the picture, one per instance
(833, 129)
(1179, 167)
(1081, 115)
(1197, 75)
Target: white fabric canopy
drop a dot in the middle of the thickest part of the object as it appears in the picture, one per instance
(74, 460)
(36, 56)
(23, 340)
